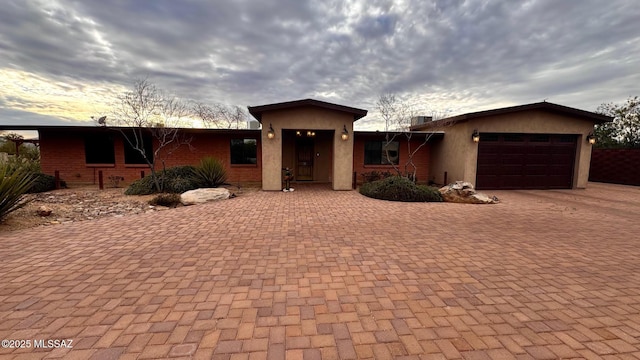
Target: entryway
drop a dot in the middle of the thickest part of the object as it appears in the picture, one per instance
(308, 154)
(304, 158)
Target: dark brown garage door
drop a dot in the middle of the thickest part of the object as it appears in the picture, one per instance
(525, 161)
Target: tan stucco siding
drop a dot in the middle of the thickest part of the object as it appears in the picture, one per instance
(457, 154)
(453, 155)
(312, 118)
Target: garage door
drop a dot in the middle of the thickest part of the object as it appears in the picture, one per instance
(525, 161)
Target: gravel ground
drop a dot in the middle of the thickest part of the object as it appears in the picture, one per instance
(82, 204)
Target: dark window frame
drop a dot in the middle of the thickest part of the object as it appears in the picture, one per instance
(375, 153)
(99, 149)
(133, 156)
(243, 151)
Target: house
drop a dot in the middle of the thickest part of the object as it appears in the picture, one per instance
(540, 145)
(534, 146)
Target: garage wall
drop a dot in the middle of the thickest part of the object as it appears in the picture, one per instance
(457, 153)
(454, 155)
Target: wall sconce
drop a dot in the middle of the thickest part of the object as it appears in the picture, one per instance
(475, 136)
(271, 133)
(591, 139)
(298, 133)
(311, 133)
(345, 133)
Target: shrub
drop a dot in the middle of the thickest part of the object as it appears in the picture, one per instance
(42, 182)
(166, 199)
(12, 186)
(397, 188)
(177, 179)
(211, 172)
(375, 175)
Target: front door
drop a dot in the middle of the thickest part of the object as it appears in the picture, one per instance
(304, 159)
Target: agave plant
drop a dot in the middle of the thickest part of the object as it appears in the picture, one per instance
(13, 185)
(211, 172)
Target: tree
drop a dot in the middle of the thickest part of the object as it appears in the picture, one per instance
(397, 116)
(144, 113)
(220, 115)
(624, 131)
(9, 144)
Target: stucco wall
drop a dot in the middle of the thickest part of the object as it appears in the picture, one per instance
(306, 118)
(457, 154)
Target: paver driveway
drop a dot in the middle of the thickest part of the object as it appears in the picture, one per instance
(334, 275)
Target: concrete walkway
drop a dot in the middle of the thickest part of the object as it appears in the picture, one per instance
(317, 274)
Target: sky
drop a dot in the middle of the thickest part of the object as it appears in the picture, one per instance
(62, 62)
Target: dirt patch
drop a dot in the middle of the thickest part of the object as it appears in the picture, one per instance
(84, 204)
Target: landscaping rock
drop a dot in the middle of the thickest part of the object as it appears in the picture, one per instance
(199, 196)
(463, 192)
(44, 211)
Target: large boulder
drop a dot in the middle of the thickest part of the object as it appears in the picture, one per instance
(463, 192)
(199, 196)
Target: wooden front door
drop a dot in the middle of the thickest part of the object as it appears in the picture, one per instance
(304, 159)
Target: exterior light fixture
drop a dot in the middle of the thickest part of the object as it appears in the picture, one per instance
(475, 136)
(345, 133)
(298, 133)
(591, 139)
(271, 133)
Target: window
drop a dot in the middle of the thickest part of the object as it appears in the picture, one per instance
(98, 149)
(133, 156)
(381, 152)
(513, 137)
(244, 151)
(539, 138)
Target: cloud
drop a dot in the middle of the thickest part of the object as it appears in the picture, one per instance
(459, 55)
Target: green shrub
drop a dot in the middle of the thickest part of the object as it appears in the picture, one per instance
(397, 188)
(165, 199)
(176, 179)
(370, 176)
(13, 185)
(42, 182)
(211, 172)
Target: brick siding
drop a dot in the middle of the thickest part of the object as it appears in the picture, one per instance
(420, 159)
(65, 152)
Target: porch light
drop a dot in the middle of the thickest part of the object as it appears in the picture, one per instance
(271, 133)
(475, 136)
(345, 133)
(591, 138)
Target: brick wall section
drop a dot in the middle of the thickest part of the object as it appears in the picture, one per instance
(64, 151)
(420, 159)
(618, 166)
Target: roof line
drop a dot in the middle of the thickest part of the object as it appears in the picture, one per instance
(597, 118)
(257, 111)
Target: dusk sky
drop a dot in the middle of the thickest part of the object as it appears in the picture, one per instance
(66, 61)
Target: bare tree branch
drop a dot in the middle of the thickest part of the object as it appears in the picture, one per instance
(221, 115)
(397, 116)
(145, 110)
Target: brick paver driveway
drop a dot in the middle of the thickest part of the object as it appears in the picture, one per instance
(334, 275)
